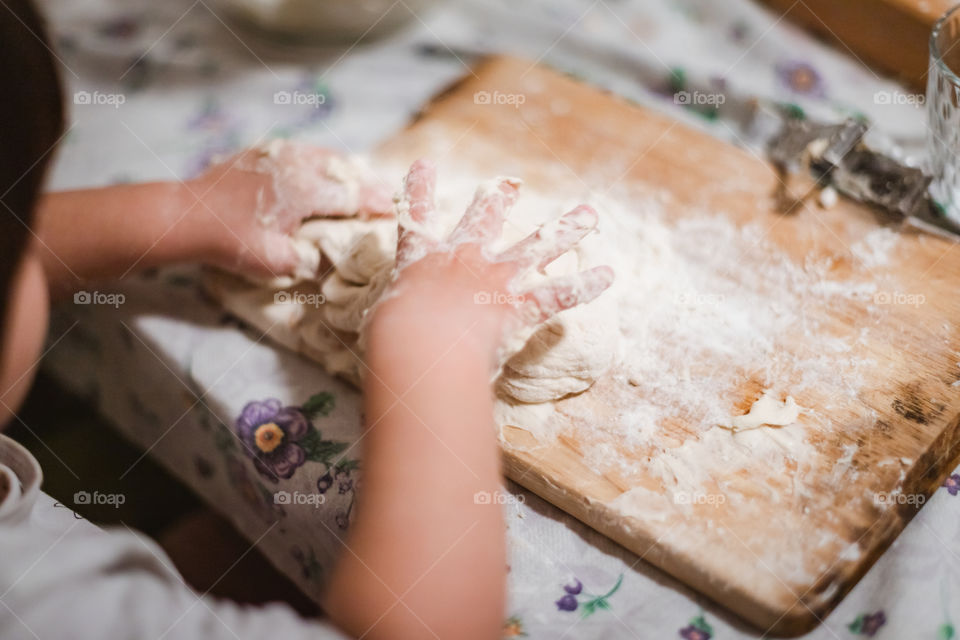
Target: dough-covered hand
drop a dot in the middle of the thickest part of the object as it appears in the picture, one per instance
(459, 284)
(251, 204)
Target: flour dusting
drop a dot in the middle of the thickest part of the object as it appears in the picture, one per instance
(875, 249)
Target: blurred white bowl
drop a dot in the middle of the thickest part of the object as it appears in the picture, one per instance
(324, 20)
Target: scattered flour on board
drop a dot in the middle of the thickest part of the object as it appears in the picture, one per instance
(713, 316)
(704, 308)
(708, 315)
(876, 248)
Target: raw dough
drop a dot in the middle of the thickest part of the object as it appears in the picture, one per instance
(766, 411)
(564, 356)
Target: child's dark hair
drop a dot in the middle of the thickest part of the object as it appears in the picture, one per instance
(31, 121)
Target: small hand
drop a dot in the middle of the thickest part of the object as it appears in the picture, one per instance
(461, 283)
(250, 204)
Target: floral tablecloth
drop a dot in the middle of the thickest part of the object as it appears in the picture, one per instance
(159, 88)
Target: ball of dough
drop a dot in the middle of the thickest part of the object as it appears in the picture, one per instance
(566, 355)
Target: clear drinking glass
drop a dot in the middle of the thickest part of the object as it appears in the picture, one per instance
(943, 109)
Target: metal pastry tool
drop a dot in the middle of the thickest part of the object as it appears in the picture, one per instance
(836, 155)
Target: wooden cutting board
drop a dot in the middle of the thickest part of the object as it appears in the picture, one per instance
(891, 34)
(786, 546)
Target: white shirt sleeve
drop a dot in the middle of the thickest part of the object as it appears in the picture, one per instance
(100, 585)
(63, 578)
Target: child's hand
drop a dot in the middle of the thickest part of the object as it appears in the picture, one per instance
(458, 285)
(427, 397)
(250, 204)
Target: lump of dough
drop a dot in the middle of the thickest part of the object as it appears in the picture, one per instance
(569, 352)
(346, 304)
(766, 411)
(566, 355)
(305, 269)
(357, 248)
(363, 258)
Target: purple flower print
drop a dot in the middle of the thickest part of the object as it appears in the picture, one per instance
(952, 484)
(343, 519)
(690, 632)
(873, 622)
(697, 629)
(575, 588)
(801, 78)
(324, 482)
(592, 604)
(868, 624)
(567, 603)
(739, 31)
(310, 568)
(344, 482)
(213, 118)
(270, 433)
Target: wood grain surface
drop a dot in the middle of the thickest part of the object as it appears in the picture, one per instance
(790, 542)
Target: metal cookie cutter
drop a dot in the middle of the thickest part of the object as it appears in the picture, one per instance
(836, 155)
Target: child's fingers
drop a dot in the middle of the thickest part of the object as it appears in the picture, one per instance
(553, 239)
(417, 214)
(546, 300)
(483, 221)
(419, 188)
